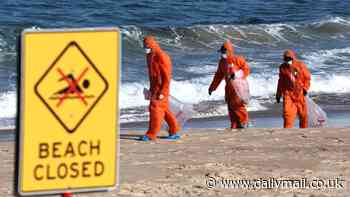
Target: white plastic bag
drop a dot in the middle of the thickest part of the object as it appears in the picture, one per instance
(182, 111)
(317, 118)
(241, 87)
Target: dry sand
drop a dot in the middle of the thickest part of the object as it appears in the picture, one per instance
(180, 168)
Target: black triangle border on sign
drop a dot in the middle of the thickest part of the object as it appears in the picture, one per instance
(72, 43)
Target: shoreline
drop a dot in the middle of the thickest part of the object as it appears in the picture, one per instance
(258, 120)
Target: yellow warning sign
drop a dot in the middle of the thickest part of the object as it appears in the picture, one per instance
(68, 110)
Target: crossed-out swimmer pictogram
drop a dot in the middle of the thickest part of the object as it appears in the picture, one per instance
(72, 87)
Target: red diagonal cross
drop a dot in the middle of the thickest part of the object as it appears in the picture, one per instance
(72, 86)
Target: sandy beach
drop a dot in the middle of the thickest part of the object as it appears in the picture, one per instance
(183, 168)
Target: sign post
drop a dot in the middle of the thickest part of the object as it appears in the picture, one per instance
(67, 194)
(68, 120)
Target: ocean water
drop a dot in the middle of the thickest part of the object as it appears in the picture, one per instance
(191, 32)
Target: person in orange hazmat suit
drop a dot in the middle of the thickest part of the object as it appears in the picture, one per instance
(231, 67)
(160, 70)
(293, 85)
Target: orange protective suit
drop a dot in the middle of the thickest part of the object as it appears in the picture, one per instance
(159, 68)
(232, 64)
(293, 84)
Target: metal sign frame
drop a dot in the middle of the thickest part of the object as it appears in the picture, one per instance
(21, 104)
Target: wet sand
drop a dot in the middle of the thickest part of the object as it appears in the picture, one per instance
(181, 168)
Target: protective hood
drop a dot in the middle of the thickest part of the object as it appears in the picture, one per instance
(150, 42)
(229, 47)
(290, 53)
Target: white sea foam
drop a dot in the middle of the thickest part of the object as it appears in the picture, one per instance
(8, 104)
(267, 34)
(196, 91)
(331, 84)
(329, 20)
(323, 58)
